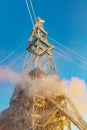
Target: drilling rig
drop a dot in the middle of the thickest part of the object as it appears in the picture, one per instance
(40, 112)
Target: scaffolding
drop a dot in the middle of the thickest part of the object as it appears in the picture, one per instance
(41, 112)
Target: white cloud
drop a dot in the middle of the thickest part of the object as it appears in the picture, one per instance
(7, 74)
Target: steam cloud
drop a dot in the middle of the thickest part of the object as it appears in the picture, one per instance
(77, 92)
(75, 89)
(48, 85)
(7, 74)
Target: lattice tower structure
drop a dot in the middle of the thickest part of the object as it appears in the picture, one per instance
(39, 112)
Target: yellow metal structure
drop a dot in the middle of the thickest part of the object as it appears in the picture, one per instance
(41, 112)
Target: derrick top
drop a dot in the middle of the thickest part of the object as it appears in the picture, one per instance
(39, 21)
(38, 44)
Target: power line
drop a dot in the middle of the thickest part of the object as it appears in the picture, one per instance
(80, 59)
(75, 53)
(9, 55)
(29, 12)
(16, 59)
(33, 9)
(68, 59)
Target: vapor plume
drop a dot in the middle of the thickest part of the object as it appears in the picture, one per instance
(75, 89)
(77, 92)
(48, 85)
(7, 74)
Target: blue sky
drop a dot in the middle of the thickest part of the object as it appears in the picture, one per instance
(65, 21)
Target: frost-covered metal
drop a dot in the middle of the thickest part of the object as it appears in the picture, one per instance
(39, 111)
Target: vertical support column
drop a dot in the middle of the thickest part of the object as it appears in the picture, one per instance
(33, 112)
